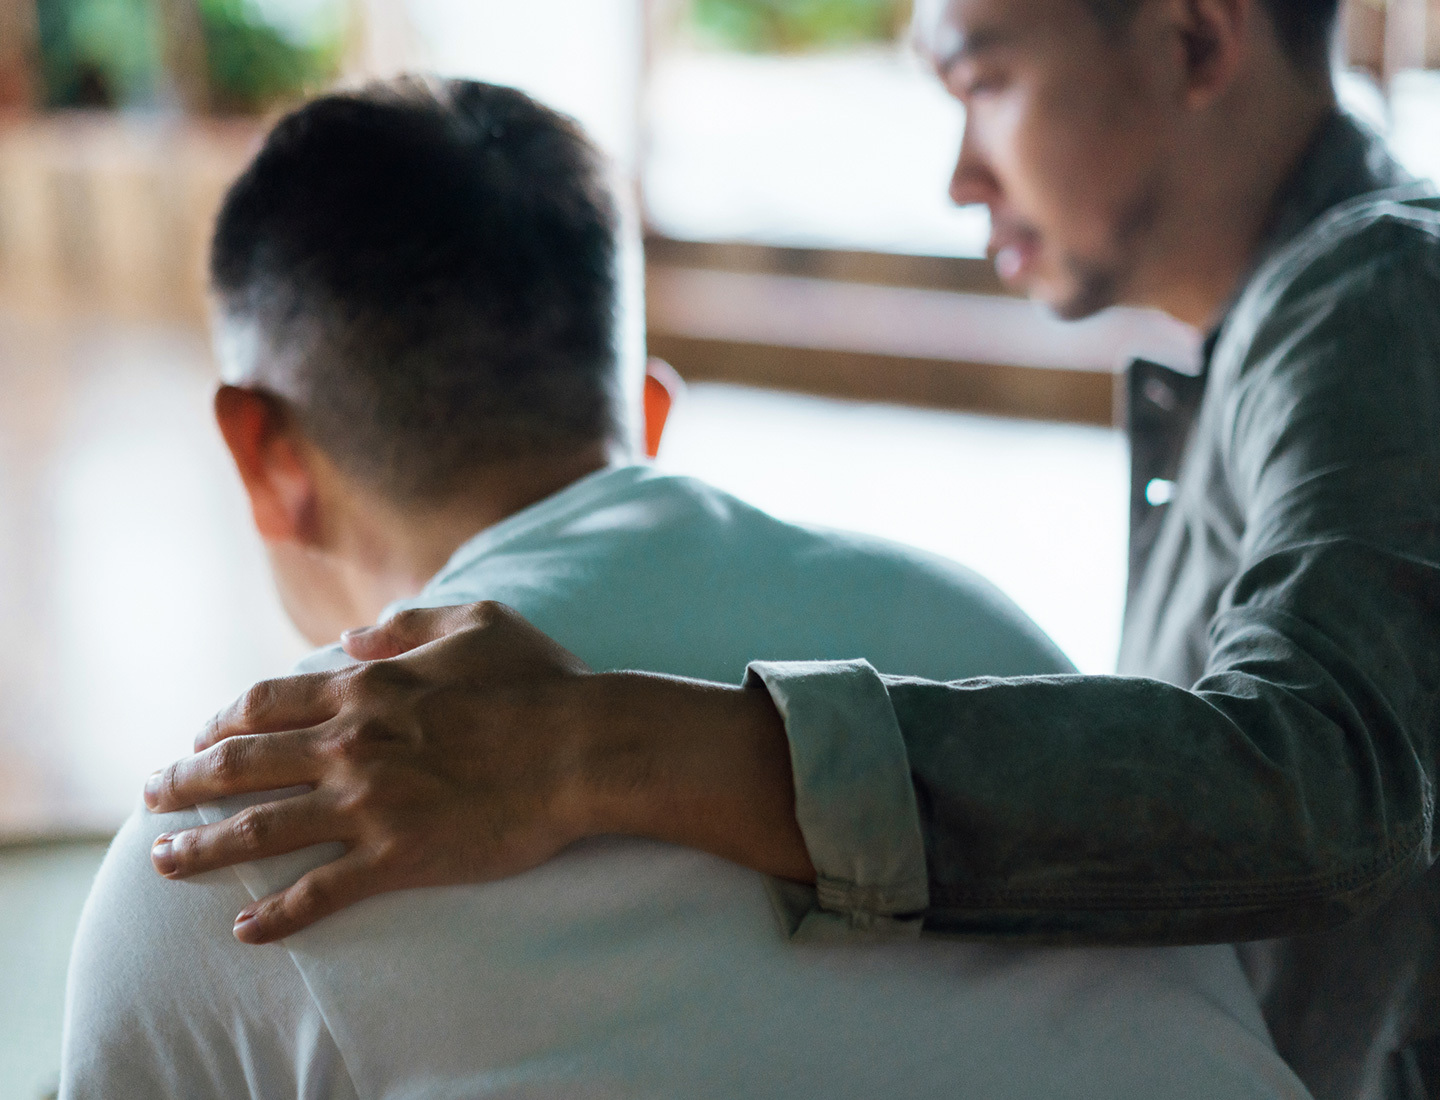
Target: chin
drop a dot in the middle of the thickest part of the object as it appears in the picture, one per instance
(1074, 309)
(1074, 299)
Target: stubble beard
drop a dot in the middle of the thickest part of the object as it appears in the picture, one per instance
(1099, 284)
(1094, 287)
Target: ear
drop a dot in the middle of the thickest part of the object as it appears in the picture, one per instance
(1214, 36)
(272, 465)
(663, 387)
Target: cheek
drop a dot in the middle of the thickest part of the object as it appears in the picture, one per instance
(1075, 161)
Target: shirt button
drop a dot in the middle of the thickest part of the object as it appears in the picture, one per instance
(1158, 491)
(1160, 394)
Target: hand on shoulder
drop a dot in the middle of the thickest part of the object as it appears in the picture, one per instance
(469, 746)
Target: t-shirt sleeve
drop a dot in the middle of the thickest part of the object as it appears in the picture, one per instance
(163, 1002)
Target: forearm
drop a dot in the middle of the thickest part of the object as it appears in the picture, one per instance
(1107, 810)
(702, 765)
(1092, 809)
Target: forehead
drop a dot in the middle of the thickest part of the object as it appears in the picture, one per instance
(946, 30)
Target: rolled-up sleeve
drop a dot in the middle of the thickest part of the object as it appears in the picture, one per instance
(854, 800)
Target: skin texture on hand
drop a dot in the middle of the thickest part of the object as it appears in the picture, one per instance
(468, 746)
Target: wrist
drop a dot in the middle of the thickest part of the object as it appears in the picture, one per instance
(699, 764)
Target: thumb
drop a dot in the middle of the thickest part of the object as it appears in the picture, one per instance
(404, 631)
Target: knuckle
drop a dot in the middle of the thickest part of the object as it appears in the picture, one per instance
(308, 898)
(405, 621)
(369, 678)
(358, 796)
(489, 613)
(251, 828)
(227, 761)
(167, 785)
(397, 858)
(344, 742)
(208, 733)
(256, 702)
(380, 678)
(372, 732)
(352, 742)
(388, 851)
(360, 740)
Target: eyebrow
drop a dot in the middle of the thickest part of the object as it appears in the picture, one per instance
(964, 47)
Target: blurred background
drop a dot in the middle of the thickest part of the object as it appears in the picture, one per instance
(851, 359)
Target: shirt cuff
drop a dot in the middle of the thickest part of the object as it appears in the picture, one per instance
(854, 800)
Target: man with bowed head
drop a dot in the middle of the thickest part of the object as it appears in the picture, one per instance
(1264, 767)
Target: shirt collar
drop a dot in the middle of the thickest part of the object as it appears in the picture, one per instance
(578, 496)
(1344, 159)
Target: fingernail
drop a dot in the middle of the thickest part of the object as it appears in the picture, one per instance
(162, 854)
(152, 790)
(247, 928)
(358, 632)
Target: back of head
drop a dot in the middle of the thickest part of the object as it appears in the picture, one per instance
(426, 273)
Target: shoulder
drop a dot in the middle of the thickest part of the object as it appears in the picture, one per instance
(1374, 257)
(907, 610)
(162, 1001)
(1338, 335)
(670, 573)
(942, 620)
(1395, 229)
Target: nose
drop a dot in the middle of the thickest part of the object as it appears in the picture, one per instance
(972, 181)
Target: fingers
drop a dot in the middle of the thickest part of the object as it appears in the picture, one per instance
(289, 703)
(409, 629)
(323, 891)
(237, 765)
(267, 829)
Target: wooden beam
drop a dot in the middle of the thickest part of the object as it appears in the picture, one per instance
(970, 275)
(1035, 393)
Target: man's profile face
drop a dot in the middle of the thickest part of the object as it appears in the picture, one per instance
(1066, 122)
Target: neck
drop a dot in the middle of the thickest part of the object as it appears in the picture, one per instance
(1225, 205)
(387, 553)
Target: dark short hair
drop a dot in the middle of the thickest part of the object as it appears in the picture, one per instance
(1304, 27)
(434, 264)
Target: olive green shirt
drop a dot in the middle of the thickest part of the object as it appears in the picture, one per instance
(1266, 764)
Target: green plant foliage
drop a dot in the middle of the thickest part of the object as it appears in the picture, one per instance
(109, 53)
(252, 64)
(788, 25)
(98, 53)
